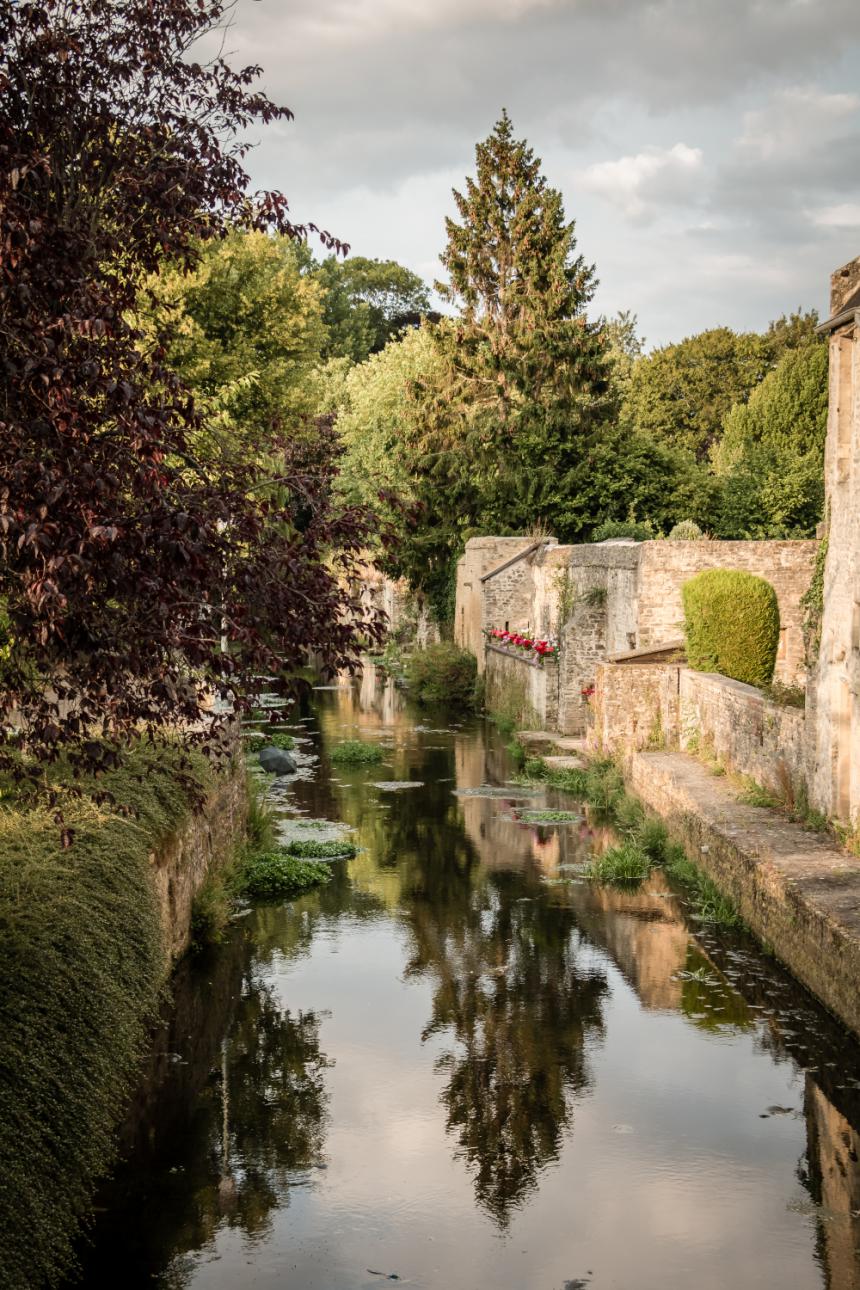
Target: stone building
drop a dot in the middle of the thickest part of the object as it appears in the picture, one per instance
(833, 698)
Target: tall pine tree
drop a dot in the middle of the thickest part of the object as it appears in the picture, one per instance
(507, 440)
(533, 371)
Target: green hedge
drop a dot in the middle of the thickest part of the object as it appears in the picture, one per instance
(82, 966)
(732, 625)
(443, 673)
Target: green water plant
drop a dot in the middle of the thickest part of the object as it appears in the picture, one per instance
(354, 752)
(550, 817)
(731, 622)
(626, 864)
(311, 849)
(271, 875)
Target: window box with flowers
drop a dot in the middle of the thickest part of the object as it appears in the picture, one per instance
(531, 649)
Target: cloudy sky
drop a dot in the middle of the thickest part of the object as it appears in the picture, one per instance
(709, 150)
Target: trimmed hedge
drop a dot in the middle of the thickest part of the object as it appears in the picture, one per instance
(732, 625)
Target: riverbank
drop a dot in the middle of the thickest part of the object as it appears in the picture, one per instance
(88, 933)
(797, 890)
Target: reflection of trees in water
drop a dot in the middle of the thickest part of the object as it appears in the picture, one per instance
(511, 989)
(273, 1104)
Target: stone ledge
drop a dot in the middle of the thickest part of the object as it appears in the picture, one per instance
(798, 891)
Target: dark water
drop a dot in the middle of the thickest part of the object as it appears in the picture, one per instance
(461, 1064)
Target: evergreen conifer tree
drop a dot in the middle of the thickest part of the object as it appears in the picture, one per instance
(506, 440)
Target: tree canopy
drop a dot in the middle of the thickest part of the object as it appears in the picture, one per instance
(366, 303)
(125, 561)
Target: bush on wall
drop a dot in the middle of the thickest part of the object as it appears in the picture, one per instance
(732, 625)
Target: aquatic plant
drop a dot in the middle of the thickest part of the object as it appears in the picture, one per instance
(550, 817)
(311, 849)
(620, 865)
(355, 751)
(269, 875)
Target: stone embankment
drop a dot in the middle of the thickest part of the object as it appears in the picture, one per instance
(797, 890)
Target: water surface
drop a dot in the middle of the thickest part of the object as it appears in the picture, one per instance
(463, 1066)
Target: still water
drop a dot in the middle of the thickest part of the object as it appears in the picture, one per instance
(460, 1065)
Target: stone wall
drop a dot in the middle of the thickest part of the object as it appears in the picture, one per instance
(409, 617)
(664, 567)
(522, 687)
(635, 706)
(206, 841)
(606, 598)
(747, 733)
(666, 705)
(834, 690)
(481, 555)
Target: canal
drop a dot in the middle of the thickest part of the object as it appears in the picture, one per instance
(462, 1065)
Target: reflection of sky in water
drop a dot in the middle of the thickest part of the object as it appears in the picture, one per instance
(521, 1080)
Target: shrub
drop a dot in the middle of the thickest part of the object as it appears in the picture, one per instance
(354, 751)
(443, 673)
(313, 850)
(271, 875)
(82, 961)
(685, 531)
(732, 625)
(640, 532)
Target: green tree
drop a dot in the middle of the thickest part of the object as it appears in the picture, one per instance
(680, 394)
(367, 303)
(770, 460)
(522, 388)
(376, 412)
(247, 332)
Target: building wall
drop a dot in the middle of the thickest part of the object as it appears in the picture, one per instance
(635, 706)
(834, 690)
(481, 555)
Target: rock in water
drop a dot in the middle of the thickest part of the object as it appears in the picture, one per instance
(277, 762)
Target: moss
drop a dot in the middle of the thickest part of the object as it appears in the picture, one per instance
(354, 752)
(443, 674)
(732, 625)
(83, 963)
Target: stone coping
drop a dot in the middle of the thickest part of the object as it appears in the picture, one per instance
(519, 656)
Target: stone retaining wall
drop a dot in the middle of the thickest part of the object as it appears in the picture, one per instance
(748, 733)
(525, 690)
(666, 705)
(206, 841)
